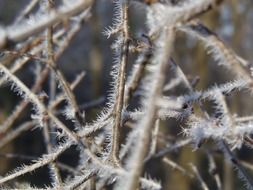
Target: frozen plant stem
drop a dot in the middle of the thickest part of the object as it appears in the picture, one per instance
(27, 10)
(237, 164)
(39, 81)
(42, 162)
(20, 107)
(118, 107)
(199, 178)
(24, 91)
(77, 115)
(137, 75)
(163, 47)
(56, 177)
(65, 86)
(177, 167)
(16, 132)
(213, 170)
(14, 36)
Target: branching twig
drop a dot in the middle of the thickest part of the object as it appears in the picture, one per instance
(13, 36)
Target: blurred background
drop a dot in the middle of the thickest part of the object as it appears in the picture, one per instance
(90, 51)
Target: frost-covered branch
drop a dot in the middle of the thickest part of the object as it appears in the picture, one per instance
(14, 34)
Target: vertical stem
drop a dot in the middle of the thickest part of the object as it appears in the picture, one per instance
(228, 182)
(46, 130)
(160, 61)
(118, 107)
(57, 74)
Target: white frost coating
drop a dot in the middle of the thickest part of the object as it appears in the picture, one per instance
(226, 88)
(117, 22)
(222, 55)
(20, 89)
(201, 129)
(44, 160)
(165, 15)
(38, 22)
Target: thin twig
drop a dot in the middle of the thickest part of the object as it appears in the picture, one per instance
(13, 36)
(164, 47)
(174, 165)
(118, 107)
(199, 178)
(27, 10)
(11, 135)
(55, 175)
(213, 170)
